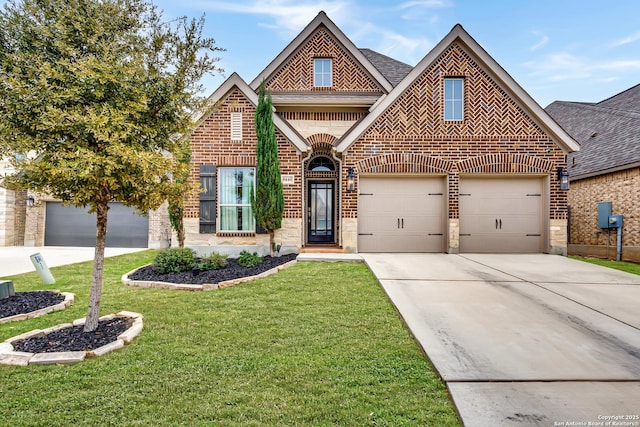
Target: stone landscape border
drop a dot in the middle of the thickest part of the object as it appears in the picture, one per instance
(8, 356)
(69, 298)
(203, 287)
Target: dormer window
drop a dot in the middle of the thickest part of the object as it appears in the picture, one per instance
(322, 72)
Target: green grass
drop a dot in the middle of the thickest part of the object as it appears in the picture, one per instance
(629, 267)
(316, 344)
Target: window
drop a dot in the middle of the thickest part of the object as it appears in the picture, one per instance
(322, 70)
(236, 126)
(453, 98)
(321, 164)
(236, 186)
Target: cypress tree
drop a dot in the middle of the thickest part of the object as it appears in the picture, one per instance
(268, 199)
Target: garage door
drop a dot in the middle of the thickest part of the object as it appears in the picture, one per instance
(71, 226)
(501, 215)
(401, 214)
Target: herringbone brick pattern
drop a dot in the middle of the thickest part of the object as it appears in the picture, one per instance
(296, 74)
(488, 110)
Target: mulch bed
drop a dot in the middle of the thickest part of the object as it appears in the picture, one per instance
(26, 302)
(230, 272)
(74, 338)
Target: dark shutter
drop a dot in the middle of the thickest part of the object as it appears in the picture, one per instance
(208, 199)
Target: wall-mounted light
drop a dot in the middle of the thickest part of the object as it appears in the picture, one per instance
(563, 177)
(30, 201)
(351, 179)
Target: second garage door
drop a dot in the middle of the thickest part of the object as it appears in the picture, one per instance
(401, 214)
(72, 226)
(501, 215)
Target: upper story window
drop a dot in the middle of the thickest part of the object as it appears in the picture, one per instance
(453, 98)
(236, 126)
(322, 72)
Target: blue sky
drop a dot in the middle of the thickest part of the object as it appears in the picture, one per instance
(572, 50)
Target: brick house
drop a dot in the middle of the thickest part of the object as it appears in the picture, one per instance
(451, 155)
(606, 169)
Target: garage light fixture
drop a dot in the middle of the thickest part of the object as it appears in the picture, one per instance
(351, 179)
(30, 201)
(563, 177)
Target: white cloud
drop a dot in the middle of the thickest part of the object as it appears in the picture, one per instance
(543, 41)
(630, 39)
(289, 16)
(430, 4)
(565, 66)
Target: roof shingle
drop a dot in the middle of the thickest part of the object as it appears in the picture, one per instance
(608, 132)
(393, 70)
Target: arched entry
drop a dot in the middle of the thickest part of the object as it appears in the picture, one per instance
(321, 176)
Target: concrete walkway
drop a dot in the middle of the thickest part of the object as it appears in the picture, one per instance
(16, 259)
(523, 340)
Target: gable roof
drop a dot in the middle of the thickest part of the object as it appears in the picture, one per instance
(608, 132)
(236, 81)
(319, 20)
(458, 34)
(392, 69)
(628, 100)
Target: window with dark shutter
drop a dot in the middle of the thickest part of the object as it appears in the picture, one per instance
(208, 199)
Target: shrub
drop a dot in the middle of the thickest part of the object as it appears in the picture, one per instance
(174, 260)
(213, 262)
(249, 259)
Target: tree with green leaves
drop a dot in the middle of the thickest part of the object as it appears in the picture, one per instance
(95, 92)
(268, 201)
(182, 187)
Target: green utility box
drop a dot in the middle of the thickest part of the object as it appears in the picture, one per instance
(6, 289)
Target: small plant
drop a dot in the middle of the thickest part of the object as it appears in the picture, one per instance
(248, 259)
(174, 260)
(215, 261)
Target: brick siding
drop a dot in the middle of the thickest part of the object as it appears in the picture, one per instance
(623, 190)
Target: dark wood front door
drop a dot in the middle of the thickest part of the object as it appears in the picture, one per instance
(320, 212)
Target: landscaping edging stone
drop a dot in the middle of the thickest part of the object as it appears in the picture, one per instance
(69, 298)
(205, 287)
(17, 358)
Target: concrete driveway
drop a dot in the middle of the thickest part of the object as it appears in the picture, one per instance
(523, 340)
(16, 259)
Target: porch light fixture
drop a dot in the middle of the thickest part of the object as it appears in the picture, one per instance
(30, 201)
(563, 177)
(351, 179)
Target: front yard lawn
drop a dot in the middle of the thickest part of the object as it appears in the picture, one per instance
(629, 267)
(316, 344)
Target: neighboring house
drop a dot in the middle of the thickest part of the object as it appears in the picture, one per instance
(12, 210)
(451, 155)
(606, 169)
(47, 223)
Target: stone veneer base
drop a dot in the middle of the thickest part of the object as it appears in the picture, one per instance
(17, 358)
(204, 287)
(69, 298)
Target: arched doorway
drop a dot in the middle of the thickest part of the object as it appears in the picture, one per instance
(321, 176)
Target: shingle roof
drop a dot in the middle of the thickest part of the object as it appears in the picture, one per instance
(393, 70)
(629, 100)
(608, 132)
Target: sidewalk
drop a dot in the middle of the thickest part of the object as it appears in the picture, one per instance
(16, 259)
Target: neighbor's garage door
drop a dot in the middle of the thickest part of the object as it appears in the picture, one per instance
(501, 215)
(401, 214)
(71, 226)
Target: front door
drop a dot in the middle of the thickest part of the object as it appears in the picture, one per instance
(320, 212)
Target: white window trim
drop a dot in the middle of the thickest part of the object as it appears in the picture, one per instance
(315, 72)
(236, 126)
(444, 115)
(221, 205)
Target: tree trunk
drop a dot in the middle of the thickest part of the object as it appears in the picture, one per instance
(272, 246)
(98, 266)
